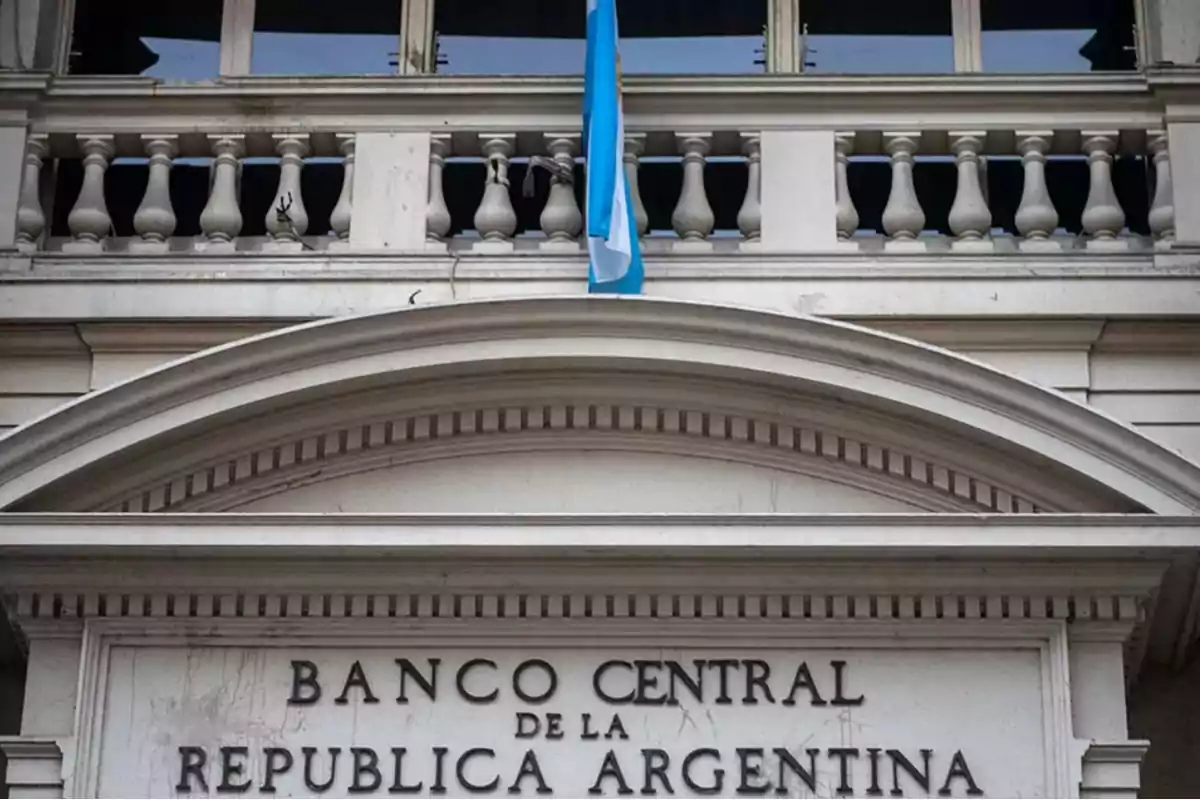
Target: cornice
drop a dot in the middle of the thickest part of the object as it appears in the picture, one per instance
(675, 336)
(653, 103)
(1109, 83)
(253, 266)
(977, 334)
(918, 554)
(860, 286)
(1177, 336)
(40, 340)
(168, 337)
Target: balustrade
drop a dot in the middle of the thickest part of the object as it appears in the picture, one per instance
(718, 206)
(1100, 223)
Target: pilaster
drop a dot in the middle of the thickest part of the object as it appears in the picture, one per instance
(799, 196)
(34, 766)
(12, 163)
(1172, 31)
(390, 193)
(1111, 762)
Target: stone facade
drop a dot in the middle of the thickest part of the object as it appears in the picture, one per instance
(323, 473)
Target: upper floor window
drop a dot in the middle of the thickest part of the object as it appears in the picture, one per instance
(186, 40)
(317, 37)
(547, 37)
(172, 41)
(876, 36)
(1058, 35)
(919, 36)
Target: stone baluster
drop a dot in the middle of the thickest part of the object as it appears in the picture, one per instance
(561, 219)
(437, 214)
(847, 214)
(287, 219)
(89, 220)
(221, 219)
(635, 145)
(1103, 217)
(31, 218)
(1036, 218)
(1162, 208)
(155, 217)
(749, 218)
(693, 217)
(339, 218)
(970, 218)
(903, 219)
(495, 218)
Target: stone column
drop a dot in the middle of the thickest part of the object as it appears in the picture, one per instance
(1037, 218)
(1111, 762)
(495, 219)
(221, 219)
(341, 217)
(903, 218)
(287, 219)
(847, 214)
(155, 217)
(693, 217)
(635, 145)
(1162, 207)
(437, 213)
(749, 216)
(31, 217)
(970, 217)
(35, 764)
(89, 220)
(561, 219)
(1103, 218)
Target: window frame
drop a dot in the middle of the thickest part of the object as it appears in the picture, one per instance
(966, 25)
(415, 55)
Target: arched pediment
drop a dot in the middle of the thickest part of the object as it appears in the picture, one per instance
(584, 404)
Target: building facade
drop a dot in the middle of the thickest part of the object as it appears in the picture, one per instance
(324, 475)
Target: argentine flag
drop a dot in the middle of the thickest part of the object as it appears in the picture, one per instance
(616, 261)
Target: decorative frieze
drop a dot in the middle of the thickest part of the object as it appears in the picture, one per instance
(344, 449)
(599, 604)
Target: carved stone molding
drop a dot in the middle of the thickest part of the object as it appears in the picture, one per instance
(674, 605)
(283, 465)
(1054, 452)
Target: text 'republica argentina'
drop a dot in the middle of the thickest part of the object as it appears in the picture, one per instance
(620, 765)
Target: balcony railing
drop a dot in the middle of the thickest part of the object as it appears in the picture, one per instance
(972, 164)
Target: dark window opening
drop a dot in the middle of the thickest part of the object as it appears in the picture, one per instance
(547, 37)
(1058, 36)
(876, 36)
(316, 37)
(170, 41)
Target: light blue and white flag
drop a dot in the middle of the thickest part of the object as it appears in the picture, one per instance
(616, 259)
